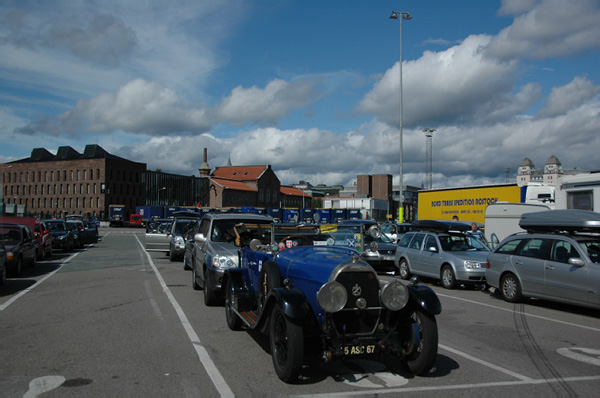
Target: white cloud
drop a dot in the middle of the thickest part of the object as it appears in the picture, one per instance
(569, 96)
(515, 7)
(442, 87)
(553, 28)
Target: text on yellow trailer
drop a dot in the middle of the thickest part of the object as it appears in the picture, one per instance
(467, 203)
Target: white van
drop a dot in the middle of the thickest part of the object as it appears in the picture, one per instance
(502, 219)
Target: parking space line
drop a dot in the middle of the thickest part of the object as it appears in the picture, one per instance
(210, 367)
(485, 363)
(529, 315)
(37, 283)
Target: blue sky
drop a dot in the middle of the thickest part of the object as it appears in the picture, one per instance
(309, 87)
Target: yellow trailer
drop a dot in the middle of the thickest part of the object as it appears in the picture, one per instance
(467, 203)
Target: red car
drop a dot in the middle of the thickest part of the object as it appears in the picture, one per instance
(44, 237)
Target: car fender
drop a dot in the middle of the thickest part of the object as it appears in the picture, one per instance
(244, 299)
(292, 302)
(425, 297)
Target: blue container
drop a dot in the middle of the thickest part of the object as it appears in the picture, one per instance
(291, 215)
(338, 215)
(275, 212)
(307, 215)
(325, 216)
(353, 214)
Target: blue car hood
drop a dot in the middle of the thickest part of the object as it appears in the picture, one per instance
(312, 263)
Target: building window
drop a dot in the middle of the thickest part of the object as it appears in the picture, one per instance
(85, 175)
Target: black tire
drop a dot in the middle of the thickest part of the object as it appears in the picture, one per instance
(510, 288)
(51, 251)
(210, 296)
(195, 284)
(422, 343)
(287, 345)
(3, 276)
(172, 256)
(447, 278)
(268, 279)
(233, 320)
(16, 271)
(33, 262)
(403, 270)
(41, 255)
(186, 267)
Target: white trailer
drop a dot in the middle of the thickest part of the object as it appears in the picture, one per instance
(580, 191)
(502, 219)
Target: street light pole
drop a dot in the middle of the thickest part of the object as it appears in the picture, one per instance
(429, 156)
(401, 15)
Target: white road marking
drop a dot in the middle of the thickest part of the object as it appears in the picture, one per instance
(587, 355)
(37, 283)
(211, 369)
(529, 315)
(485, 363)
(43, 384)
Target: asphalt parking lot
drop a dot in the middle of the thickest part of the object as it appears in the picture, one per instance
(112, 320)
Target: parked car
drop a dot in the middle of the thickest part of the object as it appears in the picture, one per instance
(21, 247)
(395, 231)
(557, 259)
(314, 298)
(77, 227)
(44, 238)
(442, 250)
(188, 237)
(215, 250)
(158, 235)
(62, 236)
(3, 263)
(89, 234)
(183, 221)
(381, 259)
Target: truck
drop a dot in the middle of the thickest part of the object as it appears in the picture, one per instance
(116, 215)
(150, 213)
(580, 191)
(502, 219)
(468, 203)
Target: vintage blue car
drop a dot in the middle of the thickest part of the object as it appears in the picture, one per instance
(305, 288)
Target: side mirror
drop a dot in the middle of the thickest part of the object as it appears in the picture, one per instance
(576, 261)
(199, 238)
(432, 249)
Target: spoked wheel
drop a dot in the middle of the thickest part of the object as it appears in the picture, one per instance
(233, 321)
(447, 277)
(510, 288)
(287, 346)
(403, 270)
(422, 342)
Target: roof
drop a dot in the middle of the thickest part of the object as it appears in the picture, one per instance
(241, 173)
(526, 162)
(293, 191)
(231, 184)
(440, 225)
(68, 153)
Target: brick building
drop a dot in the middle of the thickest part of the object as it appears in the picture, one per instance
(236, 186)
(70, 182)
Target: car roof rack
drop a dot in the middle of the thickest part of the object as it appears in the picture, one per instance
(440, 226)
(561, 220)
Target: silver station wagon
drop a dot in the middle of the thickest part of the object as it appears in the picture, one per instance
(557, 259)
(442, 250)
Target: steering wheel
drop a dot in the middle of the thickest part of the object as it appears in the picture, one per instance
(299, 237)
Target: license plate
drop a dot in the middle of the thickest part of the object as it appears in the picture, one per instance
(359, 349)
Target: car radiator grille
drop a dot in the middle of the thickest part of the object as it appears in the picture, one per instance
(352, 319)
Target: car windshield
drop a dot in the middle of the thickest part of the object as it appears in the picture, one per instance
(56, 226)
(592, 248)
(461, 243)
(222, 230)
(10, 235)
(182, 226)
(357, 229)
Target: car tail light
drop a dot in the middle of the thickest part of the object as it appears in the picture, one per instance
(487, 265)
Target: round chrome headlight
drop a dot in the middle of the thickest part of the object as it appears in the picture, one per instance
(332, 296)
(394, 296)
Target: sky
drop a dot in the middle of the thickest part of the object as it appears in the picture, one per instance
(310, 87)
